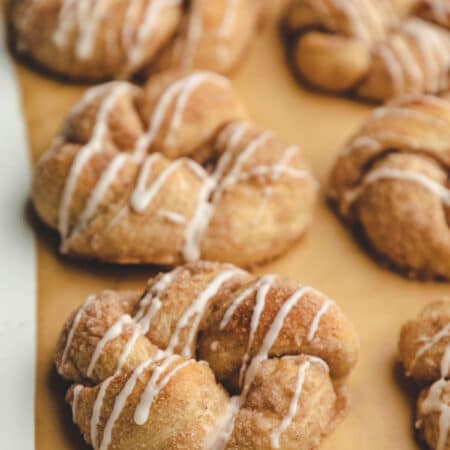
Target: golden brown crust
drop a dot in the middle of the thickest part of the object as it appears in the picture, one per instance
(291, 396)
(391, 181)
(424, 348)
(85, 41)
(375, 50)
(171, 173)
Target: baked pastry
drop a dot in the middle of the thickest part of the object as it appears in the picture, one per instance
(86, 40)
(391, 182)
(425, 352)
(437, 11)
(367, 47)
(171, 173)
(208, 357)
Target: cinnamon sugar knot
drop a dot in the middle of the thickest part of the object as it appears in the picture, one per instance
(374, 49)
(391, 183)
(106, 39)
(208, 357)
(425, 352)
(171, 173)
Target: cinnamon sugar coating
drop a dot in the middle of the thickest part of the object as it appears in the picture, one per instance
(425, 353)
(373, 49)
(390, 182)
(157, 388)
(110, 39)
(171, 173)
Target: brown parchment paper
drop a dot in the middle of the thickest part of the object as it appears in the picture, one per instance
(327, 258)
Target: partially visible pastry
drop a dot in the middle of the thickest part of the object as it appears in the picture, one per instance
(437, 11)
(108, 39)
(391, 183)
(366, 47)
(425, 352)
(208, 357)
(171, 173)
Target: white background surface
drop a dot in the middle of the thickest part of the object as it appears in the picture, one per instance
(17, 271)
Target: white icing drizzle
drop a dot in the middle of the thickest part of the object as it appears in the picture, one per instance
(214, 187)
(196, 228)
(361, 142)
(80, 17)
(195, 313)
(71, 10)
(152, 14)
(293, 406)
(275, 328)
(353, 14)
(120, 402)
(128, 348)
(277, 170)
(194, 34)
(86, 152)
(96, 196)
(155, 386)
(172, 216)
(434, 403)
(434, 52)
(237, 302)
(393, 66)
(225, 30)
(112, 333)
(89, 28)
(410, 65)
(191, 84)
(317, 318)
(142, 197)
(445, 363)
(143, 194)
(424, 67)
(191, 317)
(229, 18)
(233, 175)
(97, 410)
(375, 17)
(410, 114)
(73, 328)
(76, 393)
(165, 101)
(260, 302)
(429, 343)
(403, 175)
(146, 314)
(85, 18)
(205, 208)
